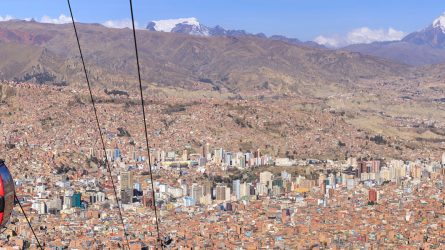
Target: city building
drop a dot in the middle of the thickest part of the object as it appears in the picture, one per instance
(236, 188)
(126, 180)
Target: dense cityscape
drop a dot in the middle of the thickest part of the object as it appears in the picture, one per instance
(213, 198)
(145, 128)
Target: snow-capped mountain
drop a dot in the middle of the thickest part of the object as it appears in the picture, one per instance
(181, 25)
(440, 22)
(433, 35)
(192, 26)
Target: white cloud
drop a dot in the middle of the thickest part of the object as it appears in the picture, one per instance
(361, 35)
(9, 17)
(5, 18)
(120, 24)
(367, 35)
(60, 20)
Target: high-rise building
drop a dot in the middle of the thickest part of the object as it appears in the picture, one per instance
(372, 196)
(323, 187)
(68, 200)
(368, 167)
(218, 156)
(126, 196)
(205, 149)
(266, 179)
(385, 174)
(152, 155)
(196, 192)
(228, 158)
(244, 190)
(126, 180)
(185, 189)
(92, 198)
(184, 155)
(416, 172)
(77, 200)
(247, 158)
(100, 197)
(236, 187)
(207, 188)
(375, 166)
(133, 154)
(117, 153)
(109, 153)
(331, 180)
(251, 189)
(221, 193)
(162, 156)
(261, 189)
(258, 158)
(321, 179)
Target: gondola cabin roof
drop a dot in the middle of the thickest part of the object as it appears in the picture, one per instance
(6, 194)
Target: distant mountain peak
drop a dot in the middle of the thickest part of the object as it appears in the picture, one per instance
(189, 26)
(440, 22)
(169, 24)
(433, 35)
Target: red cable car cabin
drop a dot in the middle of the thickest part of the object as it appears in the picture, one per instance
(6, 194)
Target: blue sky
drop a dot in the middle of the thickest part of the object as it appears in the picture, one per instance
(303, 19)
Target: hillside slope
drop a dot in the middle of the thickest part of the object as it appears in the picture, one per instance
(168, 59)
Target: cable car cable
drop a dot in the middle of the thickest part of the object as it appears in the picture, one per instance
(145, 123)
(98, 124)
(27, 220)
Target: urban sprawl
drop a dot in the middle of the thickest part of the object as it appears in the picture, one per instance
(214, 199)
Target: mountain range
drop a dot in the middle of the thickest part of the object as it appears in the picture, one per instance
(47, 53)
(192, 26)
(183, 53)
(422, 47)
